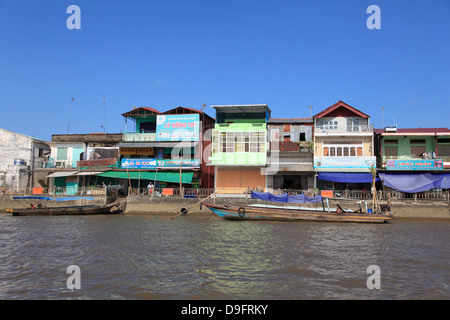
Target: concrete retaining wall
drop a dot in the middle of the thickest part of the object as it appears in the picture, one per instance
(173, 206)
(6, 202)
(145, 205)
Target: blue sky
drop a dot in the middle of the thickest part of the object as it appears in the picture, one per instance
(165, 54)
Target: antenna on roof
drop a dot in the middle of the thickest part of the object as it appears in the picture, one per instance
(310, 107)
(70, 111)
(104, 128)
(382, 117)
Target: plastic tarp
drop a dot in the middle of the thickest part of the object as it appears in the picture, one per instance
(301, 198)
(346, 177)
(32, 198)
(74, 198)
(417, 182)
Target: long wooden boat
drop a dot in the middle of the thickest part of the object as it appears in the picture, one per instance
(59, 211)
(256, 213)
(65, 210)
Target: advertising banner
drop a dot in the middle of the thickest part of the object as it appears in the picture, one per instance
(344, 162)
(416, 164)
(154, 163)
(184, 127)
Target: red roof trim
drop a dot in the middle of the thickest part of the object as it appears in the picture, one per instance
(415, 130)
(337, 105)
(190, 109)
(134, 111)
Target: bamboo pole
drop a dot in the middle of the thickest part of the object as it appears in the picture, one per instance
(373, 171)
(181, 185)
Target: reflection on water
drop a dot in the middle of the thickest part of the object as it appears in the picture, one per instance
(145, 257)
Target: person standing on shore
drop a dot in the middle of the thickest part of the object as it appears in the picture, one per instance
(150, 188)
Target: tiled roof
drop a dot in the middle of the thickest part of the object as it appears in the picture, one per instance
(337, 105)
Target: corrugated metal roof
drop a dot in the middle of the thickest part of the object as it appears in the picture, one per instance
(290, 120)
(172, 144)
(186, 177)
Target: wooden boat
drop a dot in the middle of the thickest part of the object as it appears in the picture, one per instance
(41, 210)
(282, 214)
(286, 213)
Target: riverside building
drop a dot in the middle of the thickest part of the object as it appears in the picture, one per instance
(343, 148)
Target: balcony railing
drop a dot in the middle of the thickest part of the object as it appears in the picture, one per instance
(139, 137)
(344, 129)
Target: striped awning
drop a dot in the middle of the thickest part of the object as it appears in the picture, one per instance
(164, 176)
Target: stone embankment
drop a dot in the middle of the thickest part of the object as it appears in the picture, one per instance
(139, 205)
(172, 206)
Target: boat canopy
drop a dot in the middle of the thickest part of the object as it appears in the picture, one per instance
(285, 197)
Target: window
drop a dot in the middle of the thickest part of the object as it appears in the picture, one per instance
(343, 149)
(417, 152)
(443, 151)
(61, 154)
(328, 124)
(230, 142)
(417, 141)
(359, 151)
(352, 125)
(390, 141)
(302, 136)
(40, 152)
(390, 151)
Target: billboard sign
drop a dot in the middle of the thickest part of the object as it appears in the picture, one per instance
(173, 127)
(344, 162)
(154, 163)
(416, 164)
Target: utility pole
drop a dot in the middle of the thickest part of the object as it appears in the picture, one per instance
(70, 112)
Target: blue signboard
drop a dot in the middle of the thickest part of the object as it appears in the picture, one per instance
(154, 163)
(183, 127)
(415, 164)
(344, 162)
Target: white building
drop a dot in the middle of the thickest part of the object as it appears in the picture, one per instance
(20, 156)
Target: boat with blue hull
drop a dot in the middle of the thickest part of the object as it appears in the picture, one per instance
(266, 212)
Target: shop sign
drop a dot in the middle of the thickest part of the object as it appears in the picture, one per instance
(415, 164)
(177, 127)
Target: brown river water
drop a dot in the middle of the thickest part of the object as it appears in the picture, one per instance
(193, 257)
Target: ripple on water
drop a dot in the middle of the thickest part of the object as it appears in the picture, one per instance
(125, 257)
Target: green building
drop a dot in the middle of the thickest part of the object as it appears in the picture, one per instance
(239, 147)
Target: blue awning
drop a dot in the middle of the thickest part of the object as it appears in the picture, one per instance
(346, 177)
(301, 198)
(415, 182)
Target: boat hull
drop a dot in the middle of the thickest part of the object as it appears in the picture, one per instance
(60, 211)
(281, 214)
